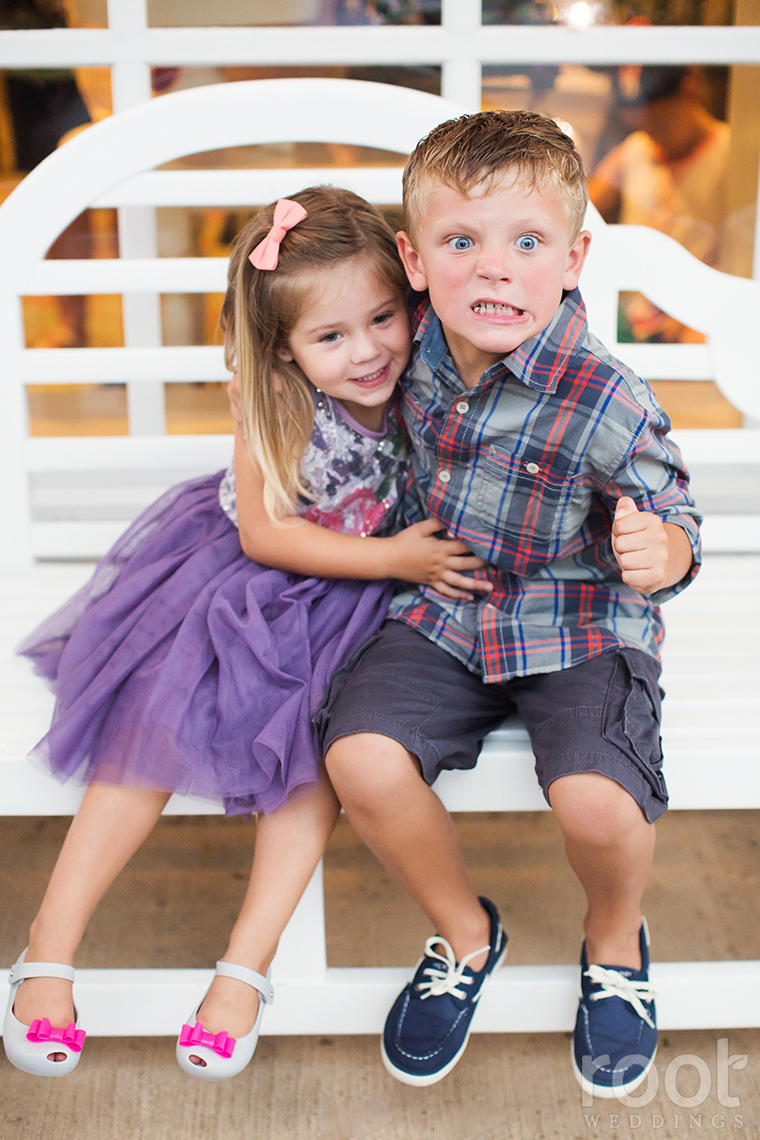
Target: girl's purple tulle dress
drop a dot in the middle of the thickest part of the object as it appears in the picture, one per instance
(186, 667)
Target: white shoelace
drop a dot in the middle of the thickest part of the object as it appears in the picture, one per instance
(615, 984)
(447, 978)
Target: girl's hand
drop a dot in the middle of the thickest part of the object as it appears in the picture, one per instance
(304, 547)
(417, 556)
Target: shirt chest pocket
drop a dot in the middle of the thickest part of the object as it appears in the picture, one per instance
(527, 499)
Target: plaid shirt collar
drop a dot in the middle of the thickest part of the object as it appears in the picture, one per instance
(539, 362)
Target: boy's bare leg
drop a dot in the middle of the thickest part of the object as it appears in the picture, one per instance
(403, 822)
(289, 845)
(110, 825)
(609, 845)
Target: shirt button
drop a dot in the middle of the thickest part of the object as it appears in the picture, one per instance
(463, 407)
(444, 476)
(532, 468)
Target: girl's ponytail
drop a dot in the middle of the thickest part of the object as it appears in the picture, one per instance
(278, 412)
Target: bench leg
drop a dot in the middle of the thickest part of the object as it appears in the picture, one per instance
(302, 951)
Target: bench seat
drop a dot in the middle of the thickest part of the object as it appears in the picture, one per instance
(711, 730)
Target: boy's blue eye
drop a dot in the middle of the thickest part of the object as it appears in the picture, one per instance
(527, 242)
(329, 338)
(381, 318)
(460, 243)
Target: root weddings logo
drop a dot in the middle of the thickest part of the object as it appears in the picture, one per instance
(687, 1082)
(708, 1124)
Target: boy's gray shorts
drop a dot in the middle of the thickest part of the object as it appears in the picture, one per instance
(600, 716)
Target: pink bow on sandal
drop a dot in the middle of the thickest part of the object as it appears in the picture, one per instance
(221, 1043)
(42, 1030)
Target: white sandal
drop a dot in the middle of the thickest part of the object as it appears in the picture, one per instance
(217, 1049)
(29, 1047)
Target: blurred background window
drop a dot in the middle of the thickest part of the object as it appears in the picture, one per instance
(675, 147)
(282, 13)
(583, 13)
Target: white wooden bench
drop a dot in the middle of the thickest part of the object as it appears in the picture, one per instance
(712, 665)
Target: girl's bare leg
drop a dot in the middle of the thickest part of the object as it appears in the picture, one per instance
(110, 825)
(289, 845)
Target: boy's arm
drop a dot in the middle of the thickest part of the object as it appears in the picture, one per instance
(655, 526)
(652, 554)
(303, 547)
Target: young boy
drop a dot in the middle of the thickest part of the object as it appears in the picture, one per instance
(550, 459)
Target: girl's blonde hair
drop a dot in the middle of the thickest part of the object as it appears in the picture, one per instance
(261, 308)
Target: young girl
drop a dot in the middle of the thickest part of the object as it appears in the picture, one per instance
(194, 659)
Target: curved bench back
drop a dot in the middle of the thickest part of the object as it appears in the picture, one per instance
(114, 163)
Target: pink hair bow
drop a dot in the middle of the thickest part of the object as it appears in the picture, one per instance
(286, 215)
(42, 1030)
(221, 1043)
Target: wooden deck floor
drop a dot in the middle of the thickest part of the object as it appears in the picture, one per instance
(177, 899)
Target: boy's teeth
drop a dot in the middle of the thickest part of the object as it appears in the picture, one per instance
(492, 307)
(371, 376)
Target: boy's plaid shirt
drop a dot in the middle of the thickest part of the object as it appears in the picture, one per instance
(526, 468)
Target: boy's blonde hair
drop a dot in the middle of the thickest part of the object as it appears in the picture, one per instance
(463, 153)
(259, 312)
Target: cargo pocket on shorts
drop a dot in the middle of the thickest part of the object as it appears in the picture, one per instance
(631, 716)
